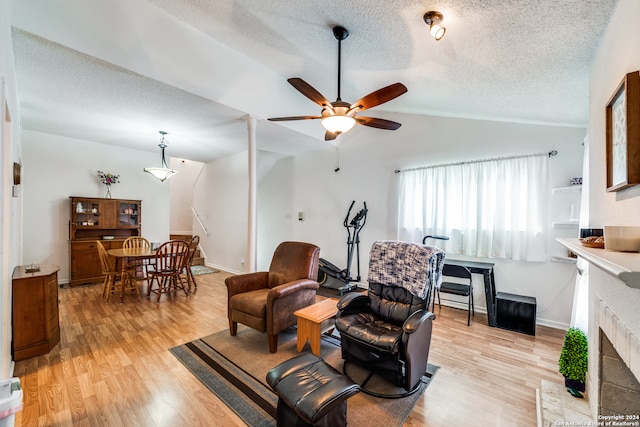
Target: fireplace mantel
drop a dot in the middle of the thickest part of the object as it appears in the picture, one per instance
(614, 298)
(623, 265)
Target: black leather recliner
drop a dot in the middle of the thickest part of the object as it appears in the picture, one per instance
(388, 330)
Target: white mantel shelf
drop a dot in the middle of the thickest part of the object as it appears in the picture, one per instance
(623, 265)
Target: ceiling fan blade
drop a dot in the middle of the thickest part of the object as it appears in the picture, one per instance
(330, 136)
(380, 96)
(307, 90)
(282, 119)
(378, 123)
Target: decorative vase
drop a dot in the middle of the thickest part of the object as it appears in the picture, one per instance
(108, 195)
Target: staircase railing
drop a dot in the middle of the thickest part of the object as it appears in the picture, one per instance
(204, 229)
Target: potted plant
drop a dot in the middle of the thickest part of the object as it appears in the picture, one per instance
(573, 361)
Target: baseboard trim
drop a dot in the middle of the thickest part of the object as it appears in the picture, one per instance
(541, 322)
(227, 269)
(462, 306)
(552, 324)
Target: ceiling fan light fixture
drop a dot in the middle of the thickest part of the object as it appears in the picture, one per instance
(433, 20)
(163, 172)
(338, 124)
(339, 116)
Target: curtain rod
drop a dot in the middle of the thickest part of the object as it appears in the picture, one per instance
(550, 154)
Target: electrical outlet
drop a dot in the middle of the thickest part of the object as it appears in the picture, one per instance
(242, 261)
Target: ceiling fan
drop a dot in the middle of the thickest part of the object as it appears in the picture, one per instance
(339, 116)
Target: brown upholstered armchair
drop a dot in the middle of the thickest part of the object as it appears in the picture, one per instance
(266, 300)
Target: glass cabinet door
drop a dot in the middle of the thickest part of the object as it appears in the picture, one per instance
(128, 214)
(86, 213)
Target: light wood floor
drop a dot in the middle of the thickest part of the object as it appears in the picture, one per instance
(112, 366)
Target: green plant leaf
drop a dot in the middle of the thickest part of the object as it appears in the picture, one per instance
(574, 357)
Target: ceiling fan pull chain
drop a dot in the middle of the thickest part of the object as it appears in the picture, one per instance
(337, 158)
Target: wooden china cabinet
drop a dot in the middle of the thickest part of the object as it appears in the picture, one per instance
(110, 221)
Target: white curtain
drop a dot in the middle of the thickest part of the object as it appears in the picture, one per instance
(491, 208)
(580, 311)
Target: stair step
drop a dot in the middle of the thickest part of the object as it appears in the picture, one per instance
(198, 261)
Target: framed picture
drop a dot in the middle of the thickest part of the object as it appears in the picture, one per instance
(623, 134)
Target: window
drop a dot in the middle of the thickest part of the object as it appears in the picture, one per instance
(491, 208)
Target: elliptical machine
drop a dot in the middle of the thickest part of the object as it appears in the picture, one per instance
(332, 277)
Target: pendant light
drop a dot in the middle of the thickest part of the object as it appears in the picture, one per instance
(163, 172)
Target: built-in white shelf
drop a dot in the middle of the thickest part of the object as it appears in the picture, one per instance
(568, 189)
(623, 265)
(563, 259)
(566, 225)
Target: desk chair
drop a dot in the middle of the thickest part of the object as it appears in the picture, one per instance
(455, 288)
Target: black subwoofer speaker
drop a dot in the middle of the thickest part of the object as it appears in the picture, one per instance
(516, 313)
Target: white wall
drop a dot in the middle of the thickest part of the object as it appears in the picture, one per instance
(56, 168)
(617, 55)
(181, 197)
(221, 200)
(368, 158)
(277, 213)
(10, 216)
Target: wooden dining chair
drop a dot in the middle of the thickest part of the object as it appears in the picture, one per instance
(142, 264)
(111, 273)
(136, 242)
(108, 271)
(187, 274)
(170, 261)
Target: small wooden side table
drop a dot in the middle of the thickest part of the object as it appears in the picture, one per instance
(35, 318)
(310, 323)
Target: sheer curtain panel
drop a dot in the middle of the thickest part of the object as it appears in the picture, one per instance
(494, 208)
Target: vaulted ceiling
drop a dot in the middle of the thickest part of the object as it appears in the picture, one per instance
(118, 72)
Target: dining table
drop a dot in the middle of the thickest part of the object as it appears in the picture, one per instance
(125, 255)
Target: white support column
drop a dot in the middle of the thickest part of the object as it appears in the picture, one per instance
(252, 227)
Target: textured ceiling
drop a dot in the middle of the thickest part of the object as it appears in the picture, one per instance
(65, 92)
(511, 60)
(517, 60)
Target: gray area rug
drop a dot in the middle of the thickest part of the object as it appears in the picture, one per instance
(197, 270)
(235, 369)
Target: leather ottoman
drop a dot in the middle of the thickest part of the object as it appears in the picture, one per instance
(310, 392)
